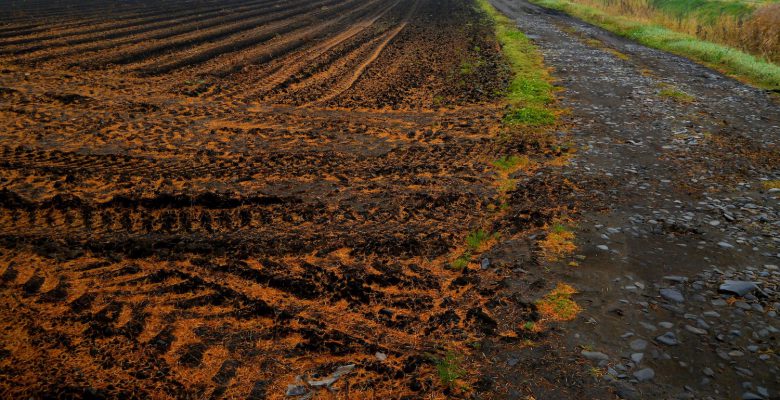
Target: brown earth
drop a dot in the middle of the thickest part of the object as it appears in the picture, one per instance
(211, 198)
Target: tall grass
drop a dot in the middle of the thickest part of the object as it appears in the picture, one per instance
(637, 23)
(751, 27)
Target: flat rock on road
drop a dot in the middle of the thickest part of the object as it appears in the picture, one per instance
(688, 152)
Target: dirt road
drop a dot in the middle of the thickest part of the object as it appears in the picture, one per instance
(686, 153)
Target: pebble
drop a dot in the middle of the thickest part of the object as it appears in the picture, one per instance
(638, 344)
(594, 355)
(695, 330)
(668, 338)
(740, 288)
(644, 374)
(672, 295)
(711, 314)
(637, 357)
(296, 390)
(666, 325)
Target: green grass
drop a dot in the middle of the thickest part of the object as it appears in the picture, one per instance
(461, 262)
(508, 163)
(449, 369)
(705, 10)
(676, 95)
(727, 59)
(477, 238)
(531, 116)
(530, 92)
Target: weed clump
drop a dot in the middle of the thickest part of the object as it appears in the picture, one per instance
(558, 305)
(558, 243)
(676, 95)
(449, 369)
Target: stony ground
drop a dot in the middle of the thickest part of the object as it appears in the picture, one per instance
(688, 154)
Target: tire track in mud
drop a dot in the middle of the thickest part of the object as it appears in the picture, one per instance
(341, 86)
(293, 41)
(181, 42)
(286, 68)
(101, 39)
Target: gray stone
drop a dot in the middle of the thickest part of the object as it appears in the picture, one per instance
(649, 327)
(637, 357)
(740, 288)
(711, 314)
(638, 344)
(695, 330)
(666, 325)
(672, 295)
(296, 390)
(594, 355)
(708, 371)
(751, 396)
(668, 338)
(644, 374)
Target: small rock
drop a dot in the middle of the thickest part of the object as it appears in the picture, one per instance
(637, 357)
(711, 314)
(296, 390)
(666, 325)
(594, 355)
(672, 295)
(638, 344)
(708, 371)
(668, 338)
(740, 288)
(695, 330)
(380, 356)
(644, 374)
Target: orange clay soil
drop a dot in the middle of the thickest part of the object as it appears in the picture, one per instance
(211, 198)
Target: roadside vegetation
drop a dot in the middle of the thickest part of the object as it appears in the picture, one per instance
(530, 93)
(739, 38)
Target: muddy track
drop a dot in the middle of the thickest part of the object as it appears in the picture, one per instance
(689, 153)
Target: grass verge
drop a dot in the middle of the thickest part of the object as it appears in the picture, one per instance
(530, 92)
(728, 60)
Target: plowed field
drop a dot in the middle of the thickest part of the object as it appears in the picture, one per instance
(212, 198)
